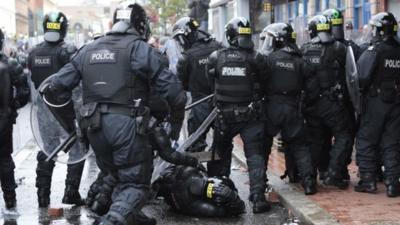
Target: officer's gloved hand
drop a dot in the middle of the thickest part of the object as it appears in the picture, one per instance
(101, 203)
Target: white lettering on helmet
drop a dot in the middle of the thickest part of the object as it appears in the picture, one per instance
(234, 71)
(391, 63)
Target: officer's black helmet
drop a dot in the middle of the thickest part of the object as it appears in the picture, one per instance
(185, 31)
(238, 33)
(1, 39)
(336, 18)
(320, 29)
(128, 15)
(383, 25)
(276, 36)
(55, 26)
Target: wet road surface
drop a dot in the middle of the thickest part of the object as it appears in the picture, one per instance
(30, 214)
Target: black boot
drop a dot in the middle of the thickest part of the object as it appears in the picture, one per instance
(367, 183)
(72, 196)
(260, 204)
(309, 185)
(10, 199)
(392, 187)
(333, 178)
(43, 197)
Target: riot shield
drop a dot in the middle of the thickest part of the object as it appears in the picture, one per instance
(53, 129)
(352, 80)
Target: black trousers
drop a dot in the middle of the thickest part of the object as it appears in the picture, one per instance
(325, 117)
(196, 117)
(282, 115)
(7, 165)
(379, 131)
(252, 134)
(127, 155)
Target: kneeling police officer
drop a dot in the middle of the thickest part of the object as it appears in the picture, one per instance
(117, 71)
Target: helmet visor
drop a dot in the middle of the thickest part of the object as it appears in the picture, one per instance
(267, 46)
(338, 32)
(52, 36)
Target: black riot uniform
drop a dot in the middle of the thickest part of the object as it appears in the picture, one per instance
(326, 110)
(379, 77)
(115, 115)
(338, 33)
(191, 70)
(44, 60)
(235, 74)
(190, 191)
(14, 94)
(284, 87)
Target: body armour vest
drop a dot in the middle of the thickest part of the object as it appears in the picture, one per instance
(326, 61)
(44, 61)
(198, 56)
(106, 73)
(234, 77)
(285, 74)
(387, 72)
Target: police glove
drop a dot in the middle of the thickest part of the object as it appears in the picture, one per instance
(101, 203)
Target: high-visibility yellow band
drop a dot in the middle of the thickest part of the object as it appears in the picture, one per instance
(195, 23)
(53, 26)
(323, 26)
(337, 21)
(210, 190)
(244, 30)
(294, 35)
(395, 28)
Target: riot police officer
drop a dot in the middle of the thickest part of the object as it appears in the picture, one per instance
(326, 110)
(190, 191)
(12, 78)
(117, 71)
(284, 87)
(336, 18)
(379, 77)
(191, 70)
(235, 72)
(45, 59)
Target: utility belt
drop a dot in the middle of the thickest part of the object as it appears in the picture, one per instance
(334, 93)
(235, 113)
(90, 115)
(389, 92)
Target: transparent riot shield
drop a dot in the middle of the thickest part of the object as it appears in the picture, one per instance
(352, 80)
(50, 132)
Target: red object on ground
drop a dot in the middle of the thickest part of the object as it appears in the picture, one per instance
(55, 212)
(347, 206)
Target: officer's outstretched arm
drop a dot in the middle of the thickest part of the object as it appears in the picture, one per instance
(162, 143)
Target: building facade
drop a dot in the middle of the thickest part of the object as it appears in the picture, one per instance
(297, 12)
(21, 17)
(7, 17)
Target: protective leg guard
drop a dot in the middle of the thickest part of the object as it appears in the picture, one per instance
(43, 197)
(72, 196)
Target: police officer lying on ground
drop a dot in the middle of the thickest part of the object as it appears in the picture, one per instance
(190, 191)
(191, 70)
(236, 74)
(379, 77)
(326, 110)
(44, 60)
(117, 71)
(11, 78)
(284, 86)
